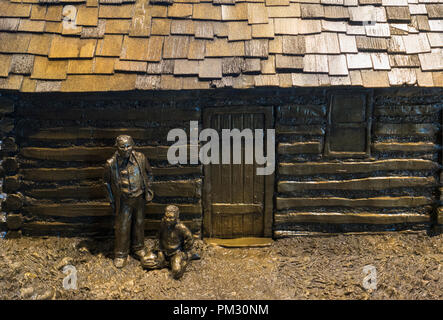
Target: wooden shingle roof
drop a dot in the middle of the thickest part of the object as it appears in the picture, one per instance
(119, 45)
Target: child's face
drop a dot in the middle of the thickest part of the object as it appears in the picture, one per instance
(170, 218)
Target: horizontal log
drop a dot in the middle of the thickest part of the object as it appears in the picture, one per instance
(404, 147)
(310, 168)
(157, 114)
(378, 202)
(88, 154)
(237, 208)
(97, 209)
(300, 147)
(405, 129)
(405, 110)
(39, 228)
(62, 174)
(182, 188)
(301, 112)
(371, 183)
(312, 130)
(100, 228)
(338, 217)
(68, 192)
(66, 174)
(55, 134)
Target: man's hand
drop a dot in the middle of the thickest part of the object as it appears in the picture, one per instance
(149, 195)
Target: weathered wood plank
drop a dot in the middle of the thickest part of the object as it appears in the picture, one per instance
(67, 192)
(182, 188)
(371, 183)
(300, 147)
(310, 168)
(238, 208)
(378, 202)
(108, 114)
(66, 174)
(101, 228)
(338, 217)
(97, 209)
(405, 129)
(88, 154)
(55, 134)
(404, 146)
(60, 174)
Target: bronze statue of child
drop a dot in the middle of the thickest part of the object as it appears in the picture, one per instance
(175, 245)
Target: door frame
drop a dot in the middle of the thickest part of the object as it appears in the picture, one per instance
(268, 205)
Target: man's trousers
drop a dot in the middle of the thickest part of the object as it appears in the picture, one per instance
(129, 225)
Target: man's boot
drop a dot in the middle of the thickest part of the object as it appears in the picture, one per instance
(120, 262)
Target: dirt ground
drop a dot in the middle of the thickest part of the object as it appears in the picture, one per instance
(408, 266)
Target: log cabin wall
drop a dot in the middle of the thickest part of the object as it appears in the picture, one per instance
(393, 187)
(58, 144)
(64, 144)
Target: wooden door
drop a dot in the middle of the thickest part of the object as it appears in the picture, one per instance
(237, 201)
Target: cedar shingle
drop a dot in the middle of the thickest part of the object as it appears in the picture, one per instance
(197, 49)
(435, 11)
(5, 64)
(315, 63)
(80, 66)
(266, 80)
(206, 11)
(288, 63)
(404, 60)
(14, 42)
(252, 66)
(371, 43)
(431, 61)
(134, 49)
(180, 10)
(337, 65)
(232, 66)
(268, 65)
(256, 48)
(54, 13)
(312, 10)
(120, 11)
(49, 69)
(374, 79)
(38, 12)
(9, 24)
(291, 11)
(185, 67)
(118, 26)
(276, 45)
(40, 44)
(257, 13)
(239, 30)
(347, 43)
(109, 46)
(326, 42)
(130, 66)
(399, 76)
(203, 30)
(416, 43)
(336, 12)
(22, 63)
(103, 65)
(31, 25)
(145, 82)
(293, 45)
(176, 47)
(399, 14)
(182, 27)
(222, 48)
(140, 25)
(237, 12)
(360, 60)
(87, 16)
(161, 27)
(380, 61)
(265, 30)
(11, 10)
(94, 32)
(210, 69)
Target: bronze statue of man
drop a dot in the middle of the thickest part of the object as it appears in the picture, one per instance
(128, 179)
(175, 244)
